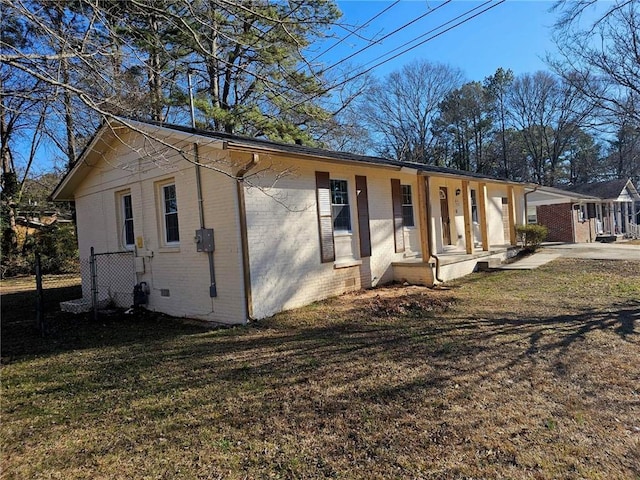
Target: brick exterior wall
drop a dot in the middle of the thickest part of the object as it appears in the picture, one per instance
(282, 228)
(557, 218)
(180, 269)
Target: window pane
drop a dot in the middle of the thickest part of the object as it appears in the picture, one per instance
(406, 195)
(339, 195)
(127, 220)
(128, 209)
(128, 232)
(407, 215)
(341, 217)
(474, 207)
(170, 201)
(407, 206)
(171, 224)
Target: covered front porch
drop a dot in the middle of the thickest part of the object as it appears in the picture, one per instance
(462, 221)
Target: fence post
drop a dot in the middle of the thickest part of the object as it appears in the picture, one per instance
(39, 298)
(94, 284)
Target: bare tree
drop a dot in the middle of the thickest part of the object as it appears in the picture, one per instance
(400, 109)
(623, 154)
(601, 58)
(547, 112)
(498, 86)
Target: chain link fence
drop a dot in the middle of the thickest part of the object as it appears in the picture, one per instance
(104, 280)
(111, 280)
(34, 300)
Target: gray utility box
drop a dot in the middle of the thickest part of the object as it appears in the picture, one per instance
(204, 240)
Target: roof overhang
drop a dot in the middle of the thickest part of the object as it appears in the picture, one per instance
(108, 133)
(550, 196)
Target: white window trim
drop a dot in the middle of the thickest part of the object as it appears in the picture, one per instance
(161, 213)
(412, 204)
(121, 219)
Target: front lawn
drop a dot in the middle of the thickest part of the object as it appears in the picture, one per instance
(515, 374)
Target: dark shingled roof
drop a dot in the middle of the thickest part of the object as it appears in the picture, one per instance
(319, 152)
(604, 190)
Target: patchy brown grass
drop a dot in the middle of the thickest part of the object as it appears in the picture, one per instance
(516, 374)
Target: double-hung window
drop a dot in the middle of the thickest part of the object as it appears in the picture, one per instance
(340, 206)
(127, 221)
(170, 214)
(407, 207)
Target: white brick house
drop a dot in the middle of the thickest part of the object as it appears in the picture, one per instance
(292, 224)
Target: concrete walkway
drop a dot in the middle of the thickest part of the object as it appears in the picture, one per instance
(593, 251)
(530, 262)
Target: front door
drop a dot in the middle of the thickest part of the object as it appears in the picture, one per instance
(444, 213)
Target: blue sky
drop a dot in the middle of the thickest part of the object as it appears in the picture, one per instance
(514, 34)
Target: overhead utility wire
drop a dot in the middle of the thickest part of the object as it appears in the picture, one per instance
(386, 36)
(354, 31)
(359, 74)
(427, 33)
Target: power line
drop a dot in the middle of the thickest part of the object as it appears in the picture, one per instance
(354, 31)
(428, 32)
(364, 72)
(434, 36)
(386, 36)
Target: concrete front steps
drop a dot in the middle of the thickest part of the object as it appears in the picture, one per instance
(453, 264)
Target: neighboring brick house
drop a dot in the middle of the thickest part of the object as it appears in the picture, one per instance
(584, 213)
(292, 224)
(619, 203)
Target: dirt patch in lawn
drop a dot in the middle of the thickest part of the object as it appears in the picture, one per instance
(512, 374)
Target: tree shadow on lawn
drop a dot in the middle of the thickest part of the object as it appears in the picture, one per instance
(69, 332)
(278, 375)
(264, 357)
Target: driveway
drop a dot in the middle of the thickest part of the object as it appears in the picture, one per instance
(595, 251)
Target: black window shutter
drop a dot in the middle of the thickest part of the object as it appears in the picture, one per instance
(363, 216)
(591, 210)
(325, 220)
(396, 198)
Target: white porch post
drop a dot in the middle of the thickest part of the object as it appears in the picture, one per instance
(466, 211)
(512, 215)
(612, 229)
(619, 216)
(482, 201)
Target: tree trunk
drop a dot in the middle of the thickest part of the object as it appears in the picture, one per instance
(9, 184)
(155, 79)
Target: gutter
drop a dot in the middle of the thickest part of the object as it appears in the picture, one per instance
(307, 155)
(244, 240)
(526, 203)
